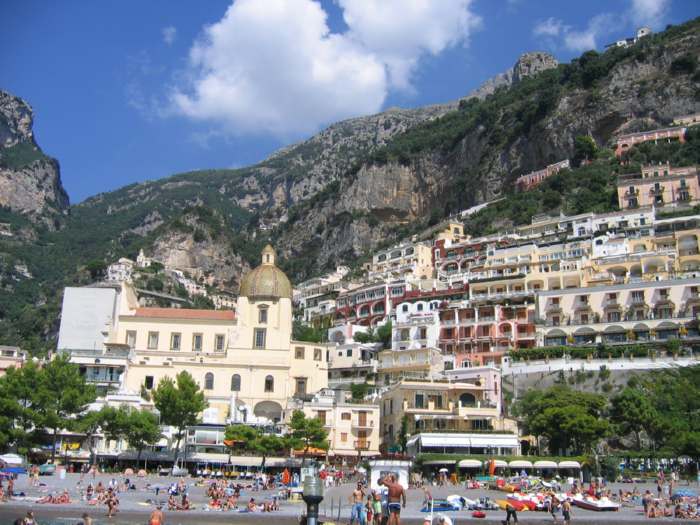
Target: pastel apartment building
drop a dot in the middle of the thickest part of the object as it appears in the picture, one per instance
(367, 305)
(412, 261)
(620, 313)
(625, 142)
(532, 179)
(460, 412)
(658, 185)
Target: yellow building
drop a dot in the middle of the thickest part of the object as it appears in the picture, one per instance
(246, 362)
(353, 428)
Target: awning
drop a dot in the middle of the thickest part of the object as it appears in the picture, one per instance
(466, 440)
(519, 463)
(500, 463)
(545, 464)
(569, 464)
(469, 463)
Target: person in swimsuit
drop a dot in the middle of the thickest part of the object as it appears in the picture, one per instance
(397, 496)
(156, 517)
(29, 518)
(566, 511)
(87, 520)
(357, 511)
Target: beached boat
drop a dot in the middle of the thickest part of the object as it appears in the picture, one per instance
(599, 505)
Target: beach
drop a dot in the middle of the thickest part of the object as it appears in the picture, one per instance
(136, 505)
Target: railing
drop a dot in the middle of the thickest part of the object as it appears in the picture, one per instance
(360, 424)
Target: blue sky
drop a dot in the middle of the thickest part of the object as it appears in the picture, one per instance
(128, 91)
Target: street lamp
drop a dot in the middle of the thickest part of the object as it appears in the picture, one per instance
(312, 496)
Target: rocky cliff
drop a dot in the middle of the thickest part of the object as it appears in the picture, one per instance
(357, 185)
(30, 182)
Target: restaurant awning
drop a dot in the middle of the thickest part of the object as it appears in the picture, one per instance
(466, 440)
(545, 464)
(469, 463)
(519, 463)
(569, 464)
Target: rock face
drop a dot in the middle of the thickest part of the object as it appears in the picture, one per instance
(527, 65)
(30, 182)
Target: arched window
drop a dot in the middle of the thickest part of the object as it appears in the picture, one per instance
(209, 381)
(420, 307)
(269, 384)
(235, 383)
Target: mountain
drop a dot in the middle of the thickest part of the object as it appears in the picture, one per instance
(30, 181)
(358, 185)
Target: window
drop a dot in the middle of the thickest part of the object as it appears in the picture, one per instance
(197, 342)
(148, 382)
(299, 352)
(343, 437)
(235, 383)
(420, 307)
(220, 342)
(348, 352)
(152, 340)
(175, 339)
(321, 415)
(262, 315)
(269, 384)
(131, 338)
(318, 354)
(419, 401)
(300, 386)
(209, 381)
(345, 416)
(404, 308)
(259, 338)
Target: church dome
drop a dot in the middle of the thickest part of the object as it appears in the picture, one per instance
(266, 281)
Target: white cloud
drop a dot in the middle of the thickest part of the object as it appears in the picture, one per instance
(275, 67)
(550, 27)
(399, 32)
(649, 12)
(169, 34)
(640, 12)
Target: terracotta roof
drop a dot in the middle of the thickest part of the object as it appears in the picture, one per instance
(186, 313)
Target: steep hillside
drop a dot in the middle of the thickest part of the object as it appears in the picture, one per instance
(474, 154)
(355, 186)
(30, 182)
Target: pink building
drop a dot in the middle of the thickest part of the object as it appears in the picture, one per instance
(658, 185)
(625, 142)
(532, 179)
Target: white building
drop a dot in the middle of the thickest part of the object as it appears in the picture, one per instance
(142, 261)
(120, 271)
(416, 325)
(353, 363)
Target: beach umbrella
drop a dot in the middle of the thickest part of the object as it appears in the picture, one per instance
(129, 472)
(6, 475)
(443, 469)
(684, 493)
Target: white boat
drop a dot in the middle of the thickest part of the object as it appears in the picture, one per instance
(602, 504)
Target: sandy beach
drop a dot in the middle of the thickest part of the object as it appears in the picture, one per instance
(136, 505)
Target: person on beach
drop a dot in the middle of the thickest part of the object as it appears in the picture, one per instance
(156, 516)
(10, 488)
(646, 503)
(87, 520)
(510, 513)
(29, 519)
(357, 500)
(566, 511)
(397, 496)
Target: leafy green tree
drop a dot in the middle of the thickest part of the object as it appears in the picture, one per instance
(90, 424)
(384, 335)
(632, 412)
(403, 434)
(305, 433)
(584, 150)
(306, 333)
(568, 419)
(96, 268)
(18, 406)
(253, 440)
(359, 391)
(179, 402)
(142, 429)
(61, 395)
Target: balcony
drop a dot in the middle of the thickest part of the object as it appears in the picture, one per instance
(358, 423)
(633, 193)
(656, 192)
(361, 444)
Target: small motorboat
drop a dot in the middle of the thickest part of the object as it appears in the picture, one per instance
(599, 505)
(441, 505)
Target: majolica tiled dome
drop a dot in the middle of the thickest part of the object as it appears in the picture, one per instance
(266, 281)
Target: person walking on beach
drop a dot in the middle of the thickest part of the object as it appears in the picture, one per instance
(29, 519)
(566, 511)
(510, 513)
(357, 499)
(397, 496)
(87, 520)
